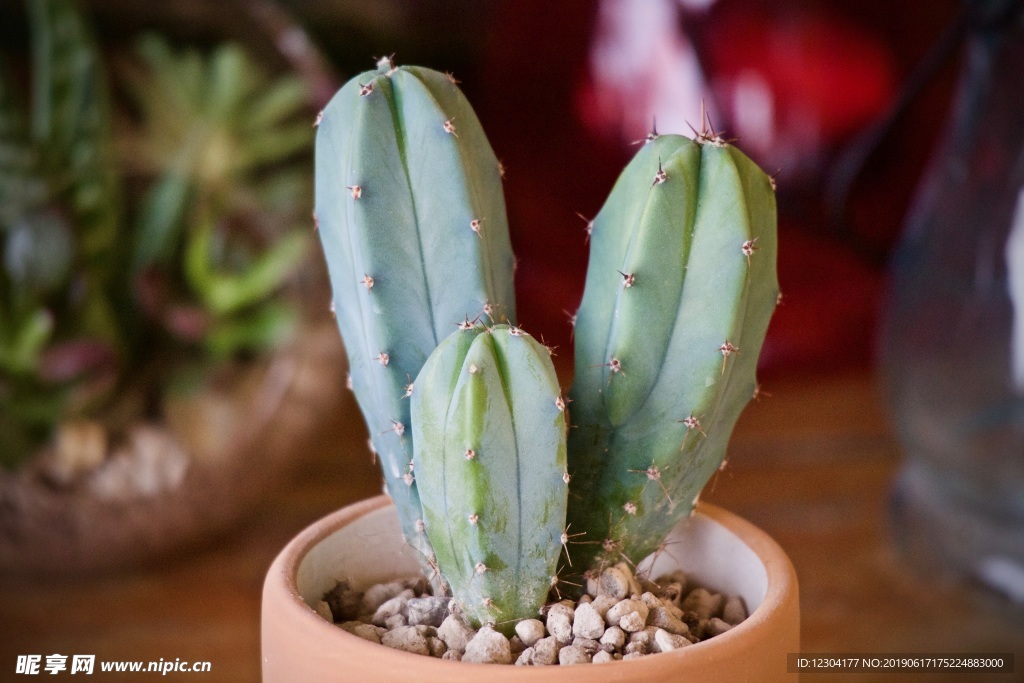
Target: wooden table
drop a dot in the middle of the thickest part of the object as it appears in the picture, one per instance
(811, 464)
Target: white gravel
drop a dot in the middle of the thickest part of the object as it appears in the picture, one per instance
(621, 617)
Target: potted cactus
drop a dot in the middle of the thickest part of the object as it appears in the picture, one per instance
(511, 495)
(146, 334)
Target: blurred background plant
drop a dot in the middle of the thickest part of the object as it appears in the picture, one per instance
(136, 263)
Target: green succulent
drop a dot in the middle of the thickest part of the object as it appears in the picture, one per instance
(100, 296)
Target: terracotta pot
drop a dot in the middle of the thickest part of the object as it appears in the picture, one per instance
(362, 542)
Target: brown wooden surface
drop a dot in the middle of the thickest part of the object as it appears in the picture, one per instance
(811, 464)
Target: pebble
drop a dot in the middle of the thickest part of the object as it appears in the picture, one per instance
(672, 591)
(587, 623)
(390, 608)
(612, 581)
(651, 601)
(406, 638)
(602, 657)
(525, 657)
(632, 622)
(661, 618)
(395, 621)
(425, 630)
(716, 627)
(455, 633)
(734, 611)
(436, 646)
(560, 622)
(488, 647)
(633, 655)
(645, 635)
(703, 603)
(545, 651)
(365, 631)
(452, 655)
(517, 645)
(672, 608)
(530, 631)
(377, 595)
(427, 610)
(603, 603)
(625, 607)
(573, 654)
(627, 571)
(635, 648)
(588, 644)
(614, 637)
(669, 641)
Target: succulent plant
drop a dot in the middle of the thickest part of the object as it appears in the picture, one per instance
(488, 424)
(410, 211)
(218, 231)
(86, 299)
(59, 209)
(680, 287)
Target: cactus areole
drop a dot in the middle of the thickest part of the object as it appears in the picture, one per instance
(463, 407)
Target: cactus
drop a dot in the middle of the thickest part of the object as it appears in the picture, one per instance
(411, 215)
(490, 453)
(680, 287)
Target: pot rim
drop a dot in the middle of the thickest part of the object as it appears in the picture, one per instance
(781, 583)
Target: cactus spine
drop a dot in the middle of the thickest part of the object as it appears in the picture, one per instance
(490, 456)
(680, 287)
(411, 215)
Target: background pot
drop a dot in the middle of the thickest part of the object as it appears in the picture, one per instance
(362, 543)
(202, 470)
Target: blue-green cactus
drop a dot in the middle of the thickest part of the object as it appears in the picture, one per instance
(411, 215)
(490, 455)
(680, 288)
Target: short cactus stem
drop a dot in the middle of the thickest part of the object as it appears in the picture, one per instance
(493, 515)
